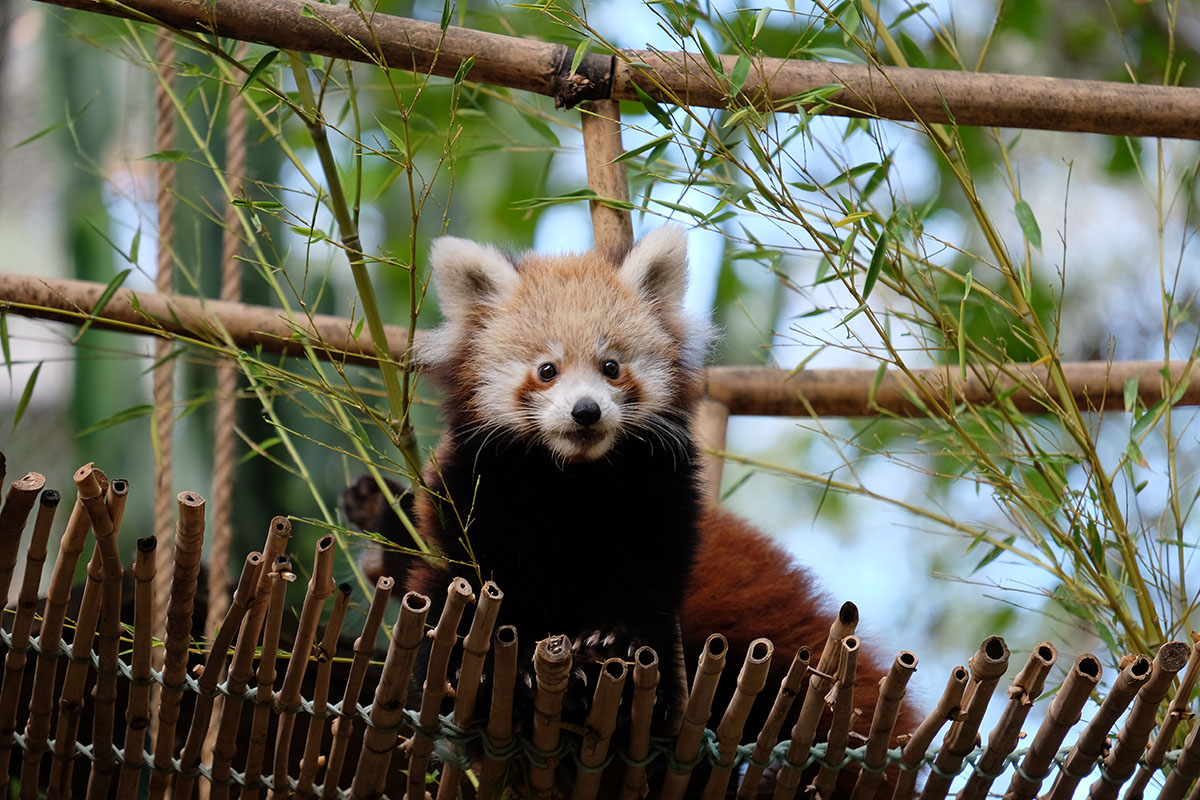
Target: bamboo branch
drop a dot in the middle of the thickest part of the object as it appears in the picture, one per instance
(137, 714)
(552, 669)
(599, 727)
(311, 761)
(843, 714)
(264, 677)
(1177, 712)
(499, 727)
(695, 716)
(641, 714)
(887, 710)
(769, 735)
(948, 709)
(750, 681)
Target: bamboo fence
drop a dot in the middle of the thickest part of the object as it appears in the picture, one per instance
(281, 733)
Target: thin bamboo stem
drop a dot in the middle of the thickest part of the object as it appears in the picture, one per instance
(499, 727)
(887, 710)
(641, 715)
(843, 714)
(264, 705)
(137, 714)
(695, 716)
(312, 761)
(552, 668)
(751, 680)
(1186, 769)
(949, 709)
(1154, 758)
(769, 735)
(18, 503)
(599, 727)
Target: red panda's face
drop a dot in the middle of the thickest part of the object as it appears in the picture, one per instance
(569, 353)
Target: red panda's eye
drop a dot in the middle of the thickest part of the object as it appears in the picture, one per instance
(610, 369)
(547, 372)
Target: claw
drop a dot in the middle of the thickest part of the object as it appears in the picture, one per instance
(528, 679)
(609, 639)
(593, 639)
(580, 675)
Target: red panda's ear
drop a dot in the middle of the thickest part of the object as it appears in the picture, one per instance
(467, 275)
(657, 266)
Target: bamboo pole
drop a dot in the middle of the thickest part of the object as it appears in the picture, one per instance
(710, 426)
(137, 712)
(789, 688)
(949, 709)
(18, 503)
(391, 693)
(1003, 738)
(612, 228)
(312, 760)
(1063, 714)
(264, 704)
(1186, 769)
(887, 710)
(843, 714)
(641, 715)
(552, 670)
(599, 727)
(475, 649)
(695, 716)
(1178, 711)
(499, 728)
(364, 649)
(901, 93)
(1082, 758)
(987, 666)
(751, 680)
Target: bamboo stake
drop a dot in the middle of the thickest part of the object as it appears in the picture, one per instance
(710, 426)
(1025, 689)
(641, 715)
(805, 730)
(312, 761)
(612, 228)
(265, 678)
(13, 516)
(214, 664)
(769, 735)
(842, 695)
(987, 668)
(552, 668)
(948, 709)
(137, 713)
(1080, 762)
(27, 602)
(1121, 761)
(751, 680)
(887, 710)
(599, 727)
(1063, 714)
(189, 538)
(387, 710)
(1186, 768)
(499, 727)
(475, 649)
(695, 716)
(364, 649)
(1178, 711)
(287, 699)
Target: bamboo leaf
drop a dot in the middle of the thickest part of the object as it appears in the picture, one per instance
(259, 67)
(447, 10)
(1131, 394)
(26, 395)
(877, 260)
(1029, 224)
(4, 343)
(709, 55)
(760, 21)
(650, 145)
(1146, 420)
(105, 296)
(651, 105)
(580, 52)
(741, 71)
(166, 155)
(993, 554)
(124, 415)
(461, 75)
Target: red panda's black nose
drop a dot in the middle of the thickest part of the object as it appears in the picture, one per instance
(586, 412)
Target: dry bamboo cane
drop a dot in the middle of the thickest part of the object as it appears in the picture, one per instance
(13, 516)
(1176, 713)
(695, 716)
(1063, 713)
(287, 699)
(887, 710)
(768, 737)
(805, 729)
(189, 539)
(265, 678)
(210, 676)
(1003, 738)
(499, 727)
(391, 693)
(343, 724)
(1080, 762)
(751, 680)
(842, 697)
(949, 709)
(27, 601)
(1121, 761)
(599, 727)
(641, 715)
(1186, 768)
(137, 713)
(41, 702)
(552, 668)
(312, 760)
(987, 667)
(475, 649)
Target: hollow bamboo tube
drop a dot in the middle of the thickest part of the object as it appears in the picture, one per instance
(1122, 760)
(189, 539)
(265, 678)
(287, 699)
(1025, 689)
(1186, 769)
(137, 713)
(27, 601)
(843, 715)
(789, 688)
(499, 727)
(475, 648)
(41, 701)
(883, 723)
(364, 648)
(695, 716)
(805, 729)
(312, 760)
(1176, 713)
(1080, 762)
(391, 693)
(599, 726)
(214, 664)
(612, 228)
(18, 503)
(1063, 713)
(552, 668)
(948, 709)
(641, 715)
(751, 680)
(987, 667)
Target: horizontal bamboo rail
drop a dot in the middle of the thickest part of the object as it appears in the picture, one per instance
(750, 391)
(899, 93)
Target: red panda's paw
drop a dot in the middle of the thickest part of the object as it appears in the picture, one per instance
(364, 503)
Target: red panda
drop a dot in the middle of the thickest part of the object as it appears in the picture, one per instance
(568, 473)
